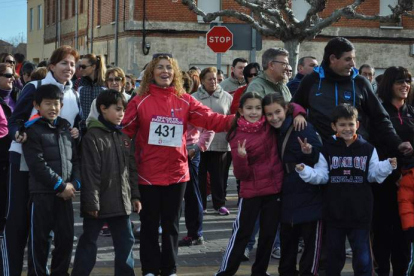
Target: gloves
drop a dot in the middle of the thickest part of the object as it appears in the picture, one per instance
(409, 233)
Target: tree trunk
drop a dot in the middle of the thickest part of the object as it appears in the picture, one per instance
(293, 47)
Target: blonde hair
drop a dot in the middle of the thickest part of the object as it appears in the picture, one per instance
(39, 73)
(117, 72)
(148, 77)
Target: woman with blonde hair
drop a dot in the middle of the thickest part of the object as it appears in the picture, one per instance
(158, 117)
(93, 69)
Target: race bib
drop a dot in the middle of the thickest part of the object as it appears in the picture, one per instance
(166, 131)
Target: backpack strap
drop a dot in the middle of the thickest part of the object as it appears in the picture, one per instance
(284, 145)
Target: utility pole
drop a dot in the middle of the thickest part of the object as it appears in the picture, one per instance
(116, 31)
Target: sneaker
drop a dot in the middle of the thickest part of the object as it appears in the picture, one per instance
(348, 253)
(186, 241)
(205, 211)
(223, 211)
(246, 255)
(149, 274)
(209, 198)
(199, 241)
(75, 238)
(276, 253)
(105, 232)
(159, 230)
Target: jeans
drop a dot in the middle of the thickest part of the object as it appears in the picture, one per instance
(122, 238)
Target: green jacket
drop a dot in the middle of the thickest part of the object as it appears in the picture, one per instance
(264, 86)
(231, 84)
(108, 171)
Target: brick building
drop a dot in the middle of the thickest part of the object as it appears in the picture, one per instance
(170, 27)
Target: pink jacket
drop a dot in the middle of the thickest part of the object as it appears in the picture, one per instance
(3, 124)
(261, 171)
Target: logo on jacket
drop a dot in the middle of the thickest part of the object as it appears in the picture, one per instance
(357, 162)
(126, 143)
(347, 95)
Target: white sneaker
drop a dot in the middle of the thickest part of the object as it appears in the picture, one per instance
(149, 274)
(276, 253)
(209, 198)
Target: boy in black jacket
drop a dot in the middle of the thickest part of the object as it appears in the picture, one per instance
(50, 153)
(347, 164)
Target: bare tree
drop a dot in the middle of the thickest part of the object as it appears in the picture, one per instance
(276, 18)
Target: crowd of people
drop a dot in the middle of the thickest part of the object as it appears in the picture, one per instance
(305, 150)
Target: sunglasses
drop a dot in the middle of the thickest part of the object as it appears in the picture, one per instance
(402, 81)
(10, 61)
(252, 75)
(154, 56)
(7, 75)
(290, 71)
(83, 67)
(116, 79)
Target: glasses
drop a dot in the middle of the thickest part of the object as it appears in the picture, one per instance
(284, 64)
(116, 79)
(10, 61)
(290, 71)
(252, 75)
(7, 75)
(83, 67)
(154, 56)
(402, 81)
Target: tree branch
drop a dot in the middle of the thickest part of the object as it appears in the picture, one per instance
(260, 6)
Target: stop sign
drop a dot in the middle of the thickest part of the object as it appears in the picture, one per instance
(219, 39)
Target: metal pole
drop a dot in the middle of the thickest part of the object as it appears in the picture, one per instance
(219, 56)
(92, 19)
(77, 25)
(253, 50)
(116, 31)
(58, 21)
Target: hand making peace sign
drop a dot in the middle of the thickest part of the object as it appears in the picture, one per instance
(241, 149)
(305, 146)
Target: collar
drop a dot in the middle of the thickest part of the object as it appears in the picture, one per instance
(204, 94)
(156, 90)
(109, 125)
(50, 79)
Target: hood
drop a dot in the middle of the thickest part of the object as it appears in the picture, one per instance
(58, 122)
(95, 123)
(327, 73)
(339, 142)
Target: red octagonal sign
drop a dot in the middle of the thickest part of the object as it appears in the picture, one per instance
(219, 39)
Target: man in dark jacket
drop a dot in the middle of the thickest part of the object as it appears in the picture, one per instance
(335, 82)
(305, 67)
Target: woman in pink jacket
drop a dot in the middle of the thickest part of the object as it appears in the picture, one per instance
(158, 119)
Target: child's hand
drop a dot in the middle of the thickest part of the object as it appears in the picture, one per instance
(299, 122)
(241, 149)
(93, 213)
(300, 167)
(20, 138)
(137, 205)
(393, 162)
(305, 146)
(68, 193)
(74, 132)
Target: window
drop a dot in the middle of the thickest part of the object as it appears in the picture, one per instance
(113, 10)
(47, 12)
(39, 17)
(300, 8)
(74, 7)
(53, 11)
(208, 6)
(31, 19)
(385, 10)
(66, 9)
(81, 6)
(99, 12)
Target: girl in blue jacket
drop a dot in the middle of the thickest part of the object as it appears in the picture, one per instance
(301, 202)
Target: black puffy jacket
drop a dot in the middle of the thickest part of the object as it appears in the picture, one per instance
(51, 156)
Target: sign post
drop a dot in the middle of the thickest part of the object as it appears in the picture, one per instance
(220, 40)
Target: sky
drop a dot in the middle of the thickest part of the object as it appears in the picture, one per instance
(13, 19)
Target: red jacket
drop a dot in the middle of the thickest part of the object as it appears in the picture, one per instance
(236, 99)
(163, 165)
(261, 173)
